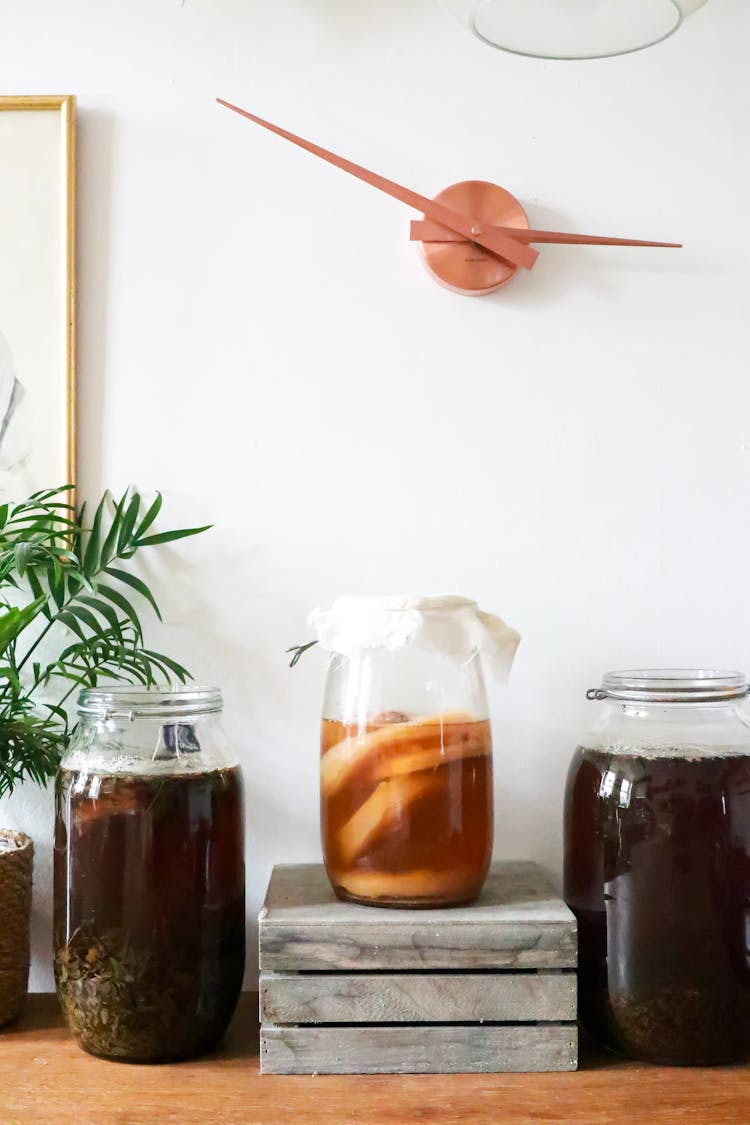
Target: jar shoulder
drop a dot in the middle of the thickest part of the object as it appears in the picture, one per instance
(150, 747)
(670, 731)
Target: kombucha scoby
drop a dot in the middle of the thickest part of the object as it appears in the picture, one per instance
(406, 808)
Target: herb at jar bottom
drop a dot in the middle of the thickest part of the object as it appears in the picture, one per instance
(675, 1024)
(122, 1001)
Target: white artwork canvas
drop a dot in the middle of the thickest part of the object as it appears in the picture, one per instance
(37, 181)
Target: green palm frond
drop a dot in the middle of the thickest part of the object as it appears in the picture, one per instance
(76, 574)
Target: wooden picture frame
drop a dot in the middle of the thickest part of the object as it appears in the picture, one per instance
(37, 294)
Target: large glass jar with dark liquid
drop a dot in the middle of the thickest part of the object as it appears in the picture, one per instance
(406, 751)
(149, 914)
(657, 866)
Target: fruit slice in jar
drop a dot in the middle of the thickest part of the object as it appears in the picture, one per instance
(400, 749)
(382, 811)
(422, 883)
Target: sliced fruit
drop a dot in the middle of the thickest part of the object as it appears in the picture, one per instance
(422, 884)
(375, 755)
(420, 759)
(381, 812)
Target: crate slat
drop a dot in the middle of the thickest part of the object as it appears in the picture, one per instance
(517, 922)
(418, 1049)
(416, 997)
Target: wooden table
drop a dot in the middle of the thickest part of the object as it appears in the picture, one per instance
(45, 1079)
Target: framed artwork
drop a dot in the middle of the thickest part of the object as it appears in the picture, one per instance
(37, 294)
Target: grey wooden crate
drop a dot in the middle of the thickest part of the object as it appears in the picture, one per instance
(418, 1049)
(518, 922)
(356, 989)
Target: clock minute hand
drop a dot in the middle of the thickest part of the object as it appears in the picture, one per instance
(496, 240)
(563, 238)
(426, 231)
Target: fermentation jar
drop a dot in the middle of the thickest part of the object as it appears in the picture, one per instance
(657, 865)
(149, 917)
(406, 748)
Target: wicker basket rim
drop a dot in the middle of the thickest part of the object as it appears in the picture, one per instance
(21, 840)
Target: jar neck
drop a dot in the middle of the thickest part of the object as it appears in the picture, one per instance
(125, 703)
(672, 686)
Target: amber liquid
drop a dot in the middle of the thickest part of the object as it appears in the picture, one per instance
(149, 910)
(406, 809)
(657, 871)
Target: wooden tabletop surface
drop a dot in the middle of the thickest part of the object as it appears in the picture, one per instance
(45, 1079)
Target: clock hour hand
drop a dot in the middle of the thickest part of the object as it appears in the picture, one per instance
(428, 231)
(503, 244)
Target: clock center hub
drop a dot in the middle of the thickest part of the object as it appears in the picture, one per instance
(462, 265)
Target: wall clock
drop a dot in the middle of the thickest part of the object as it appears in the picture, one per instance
(474, 236)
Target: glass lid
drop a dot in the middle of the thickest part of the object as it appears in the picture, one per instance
(671, 685)
(133, 701)
(578, 29)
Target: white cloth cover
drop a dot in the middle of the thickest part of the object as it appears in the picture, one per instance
(449, 624)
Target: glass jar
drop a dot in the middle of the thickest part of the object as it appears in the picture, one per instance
(406, 753)
(657, 866)
(149, 912)
(578, 29)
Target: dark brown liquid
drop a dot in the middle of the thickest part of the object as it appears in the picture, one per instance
(149, 910)
(406, 809)
(657, 871)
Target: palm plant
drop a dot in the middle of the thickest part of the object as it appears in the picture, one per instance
(81, 598)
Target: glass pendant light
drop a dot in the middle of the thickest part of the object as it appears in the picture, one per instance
(578, 29)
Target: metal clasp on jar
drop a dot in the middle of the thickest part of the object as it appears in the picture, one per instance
(112, 716)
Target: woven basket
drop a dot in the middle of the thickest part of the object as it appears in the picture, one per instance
(16, 865)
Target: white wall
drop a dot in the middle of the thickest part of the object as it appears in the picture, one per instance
(259, 341)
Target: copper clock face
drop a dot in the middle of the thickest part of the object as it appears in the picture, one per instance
(465, 267)
(474, 235)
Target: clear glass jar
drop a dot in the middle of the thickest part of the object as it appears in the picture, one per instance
(578, 29)
(657, 866)
(149, 912)
(406, 778)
